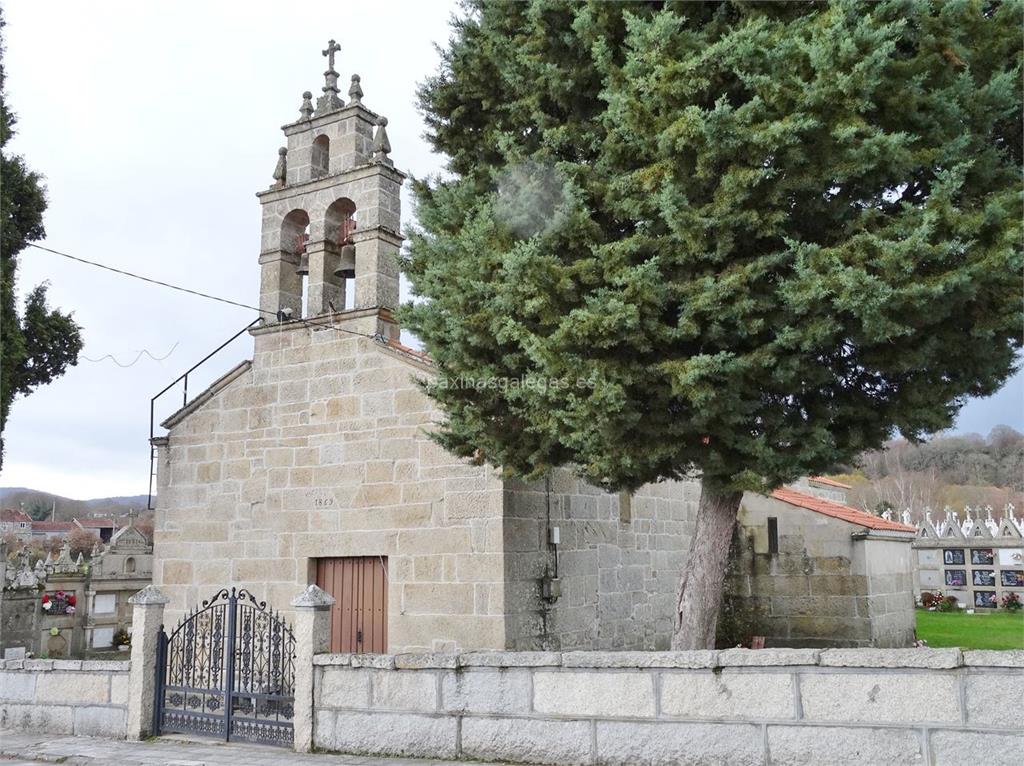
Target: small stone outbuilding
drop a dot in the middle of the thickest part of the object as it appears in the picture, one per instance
(817, 572)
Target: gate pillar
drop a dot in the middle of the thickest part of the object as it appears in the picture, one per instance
(312, 636)
(147, 625)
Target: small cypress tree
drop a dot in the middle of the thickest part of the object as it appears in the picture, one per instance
(39, 344)
(768, 234)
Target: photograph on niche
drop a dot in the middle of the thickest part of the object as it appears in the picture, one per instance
(986, 599)
(953, 556)
(984, 577)
(982, 556)
(1012, 578)
(957, 577)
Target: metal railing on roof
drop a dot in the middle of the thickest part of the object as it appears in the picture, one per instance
(183, 378)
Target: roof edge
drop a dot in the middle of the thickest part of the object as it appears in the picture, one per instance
(867, 533)
(207, 394)
(407, 354)
(839, 511)
(829, 482)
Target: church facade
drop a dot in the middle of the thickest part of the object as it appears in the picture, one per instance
(312, 462)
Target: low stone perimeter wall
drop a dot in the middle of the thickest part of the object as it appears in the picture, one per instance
(64, 697)
(929, 707)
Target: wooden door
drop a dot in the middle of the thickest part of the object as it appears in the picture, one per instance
(359, 617)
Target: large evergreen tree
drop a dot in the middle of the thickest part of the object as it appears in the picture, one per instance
(39, 344)
(769, 234)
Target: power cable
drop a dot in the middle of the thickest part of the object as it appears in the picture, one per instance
(306, 322)
(145, 279)
(135, 361)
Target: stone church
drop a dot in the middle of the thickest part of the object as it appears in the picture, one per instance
(311, 463)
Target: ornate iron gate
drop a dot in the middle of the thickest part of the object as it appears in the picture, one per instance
(228, 671)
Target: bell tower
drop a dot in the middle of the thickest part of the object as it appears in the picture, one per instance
(331, 219)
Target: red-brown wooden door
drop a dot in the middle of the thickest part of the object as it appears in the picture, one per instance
(359, 617)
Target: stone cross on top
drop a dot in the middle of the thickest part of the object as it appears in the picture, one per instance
(329, 102)
(332, 48)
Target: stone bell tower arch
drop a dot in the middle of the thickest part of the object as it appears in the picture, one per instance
(332, 218)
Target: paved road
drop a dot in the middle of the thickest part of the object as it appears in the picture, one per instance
(21, 749)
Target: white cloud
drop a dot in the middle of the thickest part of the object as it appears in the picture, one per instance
(155, 125)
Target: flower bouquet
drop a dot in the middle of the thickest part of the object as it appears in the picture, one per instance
(59, 603)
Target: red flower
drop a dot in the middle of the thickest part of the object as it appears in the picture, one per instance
(46, 599)
(72, 600)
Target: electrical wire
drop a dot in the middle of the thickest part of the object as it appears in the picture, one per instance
(306, 322)
(135, 361)
(144, 279)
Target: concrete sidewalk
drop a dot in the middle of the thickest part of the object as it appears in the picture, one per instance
(21, 749)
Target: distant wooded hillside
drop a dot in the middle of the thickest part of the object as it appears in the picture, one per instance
(954, 470)
(39, 505)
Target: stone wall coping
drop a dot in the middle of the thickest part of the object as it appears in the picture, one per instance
(67, 666)
(426, 660)
(891, 658)
(763, 657)
(989, 658)
(702, 659)
(692, 659)
(498, 659)
(332, 659)
(382, 661)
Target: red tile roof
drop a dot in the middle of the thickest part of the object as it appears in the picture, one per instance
(52, 526)
(839, 511)
(14, 517)
(398, 346)
(830, 482)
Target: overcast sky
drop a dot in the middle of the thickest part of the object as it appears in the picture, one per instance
(155, 124)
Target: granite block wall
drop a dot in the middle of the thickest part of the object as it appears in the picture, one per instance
(802, 707)
(618, 563)
(85, 698)
(320, 449)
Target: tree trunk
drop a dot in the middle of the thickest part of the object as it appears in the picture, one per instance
(700, 589)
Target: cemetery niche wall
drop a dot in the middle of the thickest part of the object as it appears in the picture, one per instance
(67, 606)
(977, 561)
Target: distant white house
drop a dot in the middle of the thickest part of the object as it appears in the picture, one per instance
(16, 522)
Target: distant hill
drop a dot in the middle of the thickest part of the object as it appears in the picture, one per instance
(949, 469)
(38, 504)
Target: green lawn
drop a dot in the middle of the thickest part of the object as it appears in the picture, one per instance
(998, 630)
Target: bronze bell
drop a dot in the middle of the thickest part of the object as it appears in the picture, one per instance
(346, 262)
(300, 247)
